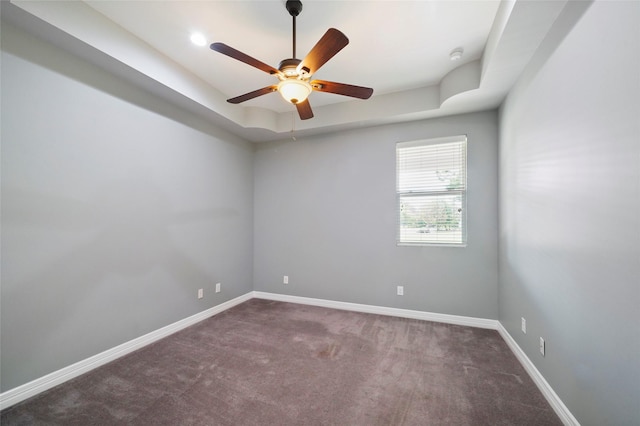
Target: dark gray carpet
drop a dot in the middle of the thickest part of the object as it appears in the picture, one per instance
(274, 363)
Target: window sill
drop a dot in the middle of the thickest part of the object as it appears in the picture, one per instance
(407, 244)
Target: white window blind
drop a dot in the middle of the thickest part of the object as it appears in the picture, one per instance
(431, 191)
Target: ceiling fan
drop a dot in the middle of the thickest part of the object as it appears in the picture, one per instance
(295, 74)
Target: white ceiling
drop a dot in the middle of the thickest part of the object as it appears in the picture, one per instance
(393, 45)
(399, 48)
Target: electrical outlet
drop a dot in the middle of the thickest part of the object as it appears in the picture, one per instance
(400, 290)
(524, 325)
(217, 287)
(542, 346)
(285, 280)
(200, 293)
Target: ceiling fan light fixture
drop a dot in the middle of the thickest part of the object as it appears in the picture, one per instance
(293, 90)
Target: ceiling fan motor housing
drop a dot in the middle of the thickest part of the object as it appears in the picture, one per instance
(289, 67)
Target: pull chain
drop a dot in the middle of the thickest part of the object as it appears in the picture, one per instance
(293, 125)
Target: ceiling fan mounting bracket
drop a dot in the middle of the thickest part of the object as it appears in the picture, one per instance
(294, 7)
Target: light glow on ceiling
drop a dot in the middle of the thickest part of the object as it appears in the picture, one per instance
(198, 39)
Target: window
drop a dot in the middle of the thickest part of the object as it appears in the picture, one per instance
(431, 191)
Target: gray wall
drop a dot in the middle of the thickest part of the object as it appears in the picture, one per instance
(113, 215)
(570, 213)
(325, 215)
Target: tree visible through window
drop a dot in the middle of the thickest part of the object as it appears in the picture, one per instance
(431, 191)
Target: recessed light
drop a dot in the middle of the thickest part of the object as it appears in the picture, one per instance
(456, 54)
(198, 39)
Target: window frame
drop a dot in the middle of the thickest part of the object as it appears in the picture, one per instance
(460, 192)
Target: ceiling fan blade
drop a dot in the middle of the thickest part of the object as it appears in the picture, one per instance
(304, 110)
(342, 89)
(251, 95)
(331, 43)
(242, 57)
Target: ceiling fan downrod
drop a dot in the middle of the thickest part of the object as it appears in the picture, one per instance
(294, 7)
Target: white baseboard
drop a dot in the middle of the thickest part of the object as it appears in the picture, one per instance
(551, 396)
(20, 393)
(381, 310)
